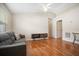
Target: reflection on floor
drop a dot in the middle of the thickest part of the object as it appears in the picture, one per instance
(51, 47)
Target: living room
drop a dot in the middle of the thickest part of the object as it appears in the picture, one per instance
(42, 25)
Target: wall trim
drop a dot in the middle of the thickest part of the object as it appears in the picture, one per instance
(71, 41)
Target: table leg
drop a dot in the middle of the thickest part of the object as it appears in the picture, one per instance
(74, 39)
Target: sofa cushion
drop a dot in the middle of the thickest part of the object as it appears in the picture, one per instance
(20, 40)
(6, 42)
(11, 36)
(4, 36)
(14, 35)
(13, 45)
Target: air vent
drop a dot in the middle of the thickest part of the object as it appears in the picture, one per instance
(67, 35)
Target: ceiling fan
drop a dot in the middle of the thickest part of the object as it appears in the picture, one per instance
(46, 6)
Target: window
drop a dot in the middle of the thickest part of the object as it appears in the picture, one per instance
(2, 27)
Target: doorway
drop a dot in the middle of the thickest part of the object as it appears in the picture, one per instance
(49, 28)
(59, 29)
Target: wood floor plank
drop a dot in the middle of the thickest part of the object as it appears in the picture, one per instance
(51, 47)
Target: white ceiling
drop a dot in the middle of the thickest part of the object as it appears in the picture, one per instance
(38, 7)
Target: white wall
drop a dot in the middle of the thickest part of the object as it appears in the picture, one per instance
(29, 23)
(70, 21)
(6, 17)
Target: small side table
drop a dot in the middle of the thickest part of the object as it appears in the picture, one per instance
(74, 34)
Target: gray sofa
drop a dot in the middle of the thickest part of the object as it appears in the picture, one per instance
(10, 46)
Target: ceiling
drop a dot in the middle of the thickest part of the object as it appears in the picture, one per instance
(56, 8)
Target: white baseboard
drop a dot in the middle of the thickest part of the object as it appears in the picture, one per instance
(71, 41)
(35, 39)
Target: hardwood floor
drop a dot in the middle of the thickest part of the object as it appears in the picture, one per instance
(51, 47)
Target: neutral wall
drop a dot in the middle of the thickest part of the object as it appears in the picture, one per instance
(70, 22)
(6, 17)
(29, 23)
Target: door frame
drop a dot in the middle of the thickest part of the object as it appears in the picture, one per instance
(49, 28)
(57, 29)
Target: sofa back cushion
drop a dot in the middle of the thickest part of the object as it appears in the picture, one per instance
(6, 42)
(7, 38)
(14, 35)
(11, 35)
(4, 36)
